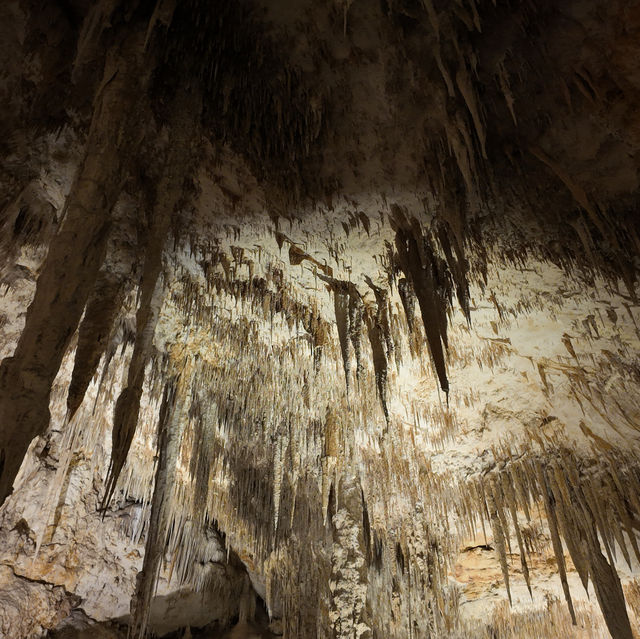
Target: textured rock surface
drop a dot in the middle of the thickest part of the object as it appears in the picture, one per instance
(57, 544)
(320, 316)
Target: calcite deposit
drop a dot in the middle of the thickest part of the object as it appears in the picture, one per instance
(319, 319)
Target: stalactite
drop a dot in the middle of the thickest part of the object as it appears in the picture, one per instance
(167, 197)
(93, 336)
(380, 362)
(355, 328)
(348, 312)
(430, 300)
(382, 316)
(74, 257)
(510, 497)
(407, 297)
(168, 446)
(503, 79)
(450, 237)
(463, 82)
(567, 524)
(555, 539)
(581, 508)
(341, 305)
(127, 406)
(609, 593)
(27, 220)
(500, 536)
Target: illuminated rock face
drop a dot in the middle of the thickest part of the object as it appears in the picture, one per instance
(319, 319)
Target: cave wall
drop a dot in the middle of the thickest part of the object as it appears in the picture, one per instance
(327, 309)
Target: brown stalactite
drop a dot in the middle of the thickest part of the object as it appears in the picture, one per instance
(453, 249)
(500, 535)
(555, 538)
(382, 316)
(568, 525)
(168, 444)
(355, 328)
(380, 356)
(569, 503)
(348, 313)
(609, 593)
(73, 260)
(26, 221)
(510, 498)
(341, 305)
(583, 535)
(432, 306)
(351, 317)
(408, 302)
(170, 190)
(93, 335)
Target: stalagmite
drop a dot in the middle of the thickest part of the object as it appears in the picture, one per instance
(348, 567)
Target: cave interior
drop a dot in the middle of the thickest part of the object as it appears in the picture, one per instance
(319, 319)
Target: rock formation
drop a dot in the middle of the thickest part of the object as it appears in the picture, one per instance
(319, 319)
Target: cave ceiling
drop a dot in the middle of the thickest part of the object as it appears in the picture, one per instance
(328, 305)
